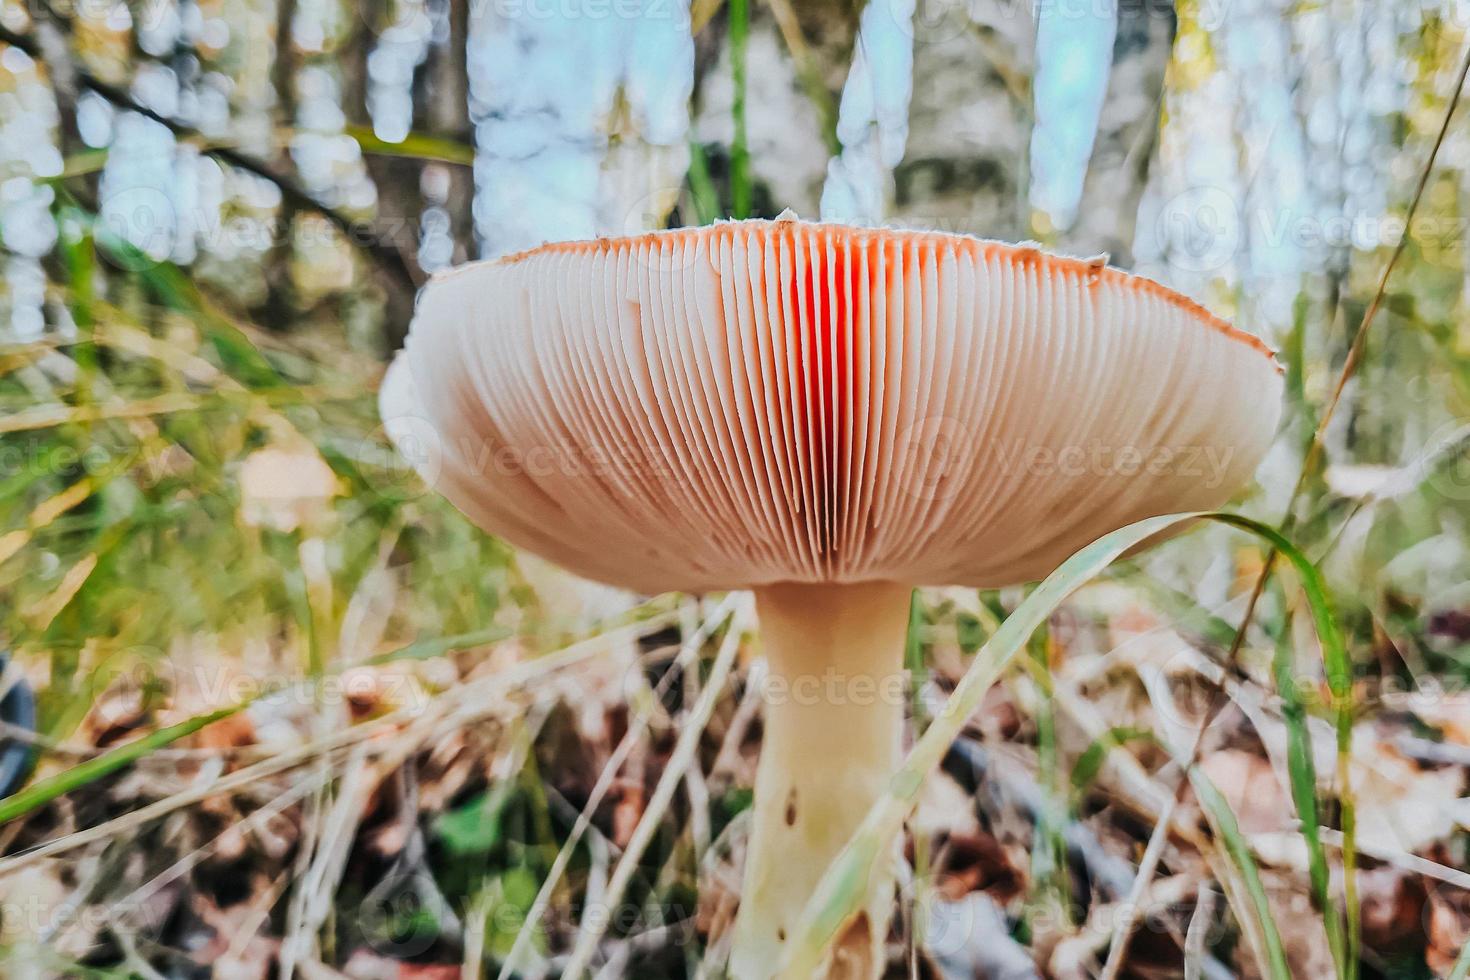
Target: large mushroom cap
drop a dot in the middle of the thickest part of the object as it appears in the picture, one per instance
(762, 401)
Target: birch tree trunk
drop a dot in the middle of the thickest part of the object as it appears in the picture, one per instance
(797, 58)
(1127, 135)
(965, 168)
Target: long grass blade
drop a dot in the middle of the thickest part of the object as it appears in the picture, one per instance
(439, 646)
(1240, 852)
(739, 147)
(414, 146)
(838, 896)
(46, 790)
(702, 192)
(1300, 761)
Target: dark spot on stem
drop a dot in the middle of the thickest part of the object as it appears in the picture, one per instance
(791, 808)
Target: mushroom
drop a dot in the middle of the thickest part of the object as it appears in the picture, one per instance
(829, 416)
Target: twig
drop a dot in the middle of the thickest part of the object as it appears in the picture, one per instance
(255, 820)
(295, 945)
(1199, 930)
(1405, 860)
(807, 71)
(324, 872)
(647, 941)
(1147, 868)
(1314, 450)
(379, 247)
(463, 704)
(1435, 753)
(728, 755)
(689, 649)
(673, 774)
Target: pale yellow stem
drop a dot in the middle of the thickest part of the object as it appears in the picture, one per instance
(834, 709)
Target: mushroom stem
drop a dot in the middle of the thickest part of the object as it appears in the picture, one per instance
(834, 711)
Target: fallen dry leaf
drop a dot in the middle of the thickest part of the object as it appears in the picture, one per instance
(1448, 918)
(1393, 908)
(1250, 786)
(1402, 806)
(229, 953)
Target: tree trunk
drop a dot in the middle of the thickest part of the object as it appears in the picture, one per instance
(797, 59)
(441, 107)
(396, 182)
(1127, 135)
(970, 122)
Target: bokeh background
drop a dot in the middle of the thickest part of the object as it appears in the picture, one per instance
(282, 712)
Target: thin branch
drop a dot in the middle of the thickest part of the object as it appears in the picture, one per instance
(376, 245)
(1355, 351)
(593, 924)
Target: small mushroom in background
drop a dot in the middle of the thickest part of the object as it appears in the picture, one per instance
(828, 416)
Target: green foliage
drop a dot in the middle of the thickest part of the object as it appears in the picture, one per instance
(840, 893)
(474, 827)
(740, 183)
(45, 790)
(1090, 762)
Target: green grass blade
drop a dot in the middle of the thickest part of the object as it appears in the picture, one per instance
(1301, 768)
(1240, 853)
(439, 646)
(46, 790)
(1090, 762)
(739, 148)
(414, 146)
(839, 894)
(1303, 777)
(702, 191)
